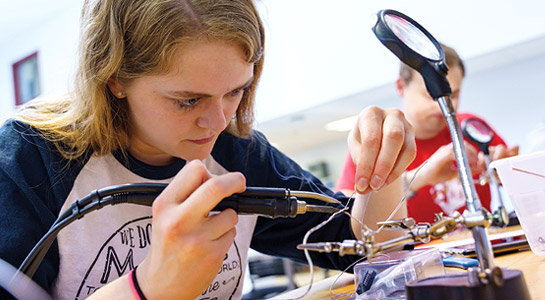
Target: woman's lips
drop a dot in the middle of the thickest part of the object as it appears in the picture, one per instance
(202, 141)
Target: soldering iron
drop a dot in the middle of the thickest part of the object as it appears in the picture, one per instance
(262, 201)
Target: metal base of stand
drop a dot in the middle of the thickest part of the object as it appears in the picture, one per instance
(458, 287)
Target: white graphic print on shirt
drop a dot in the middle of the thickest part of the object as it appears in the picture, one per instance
(117, 238)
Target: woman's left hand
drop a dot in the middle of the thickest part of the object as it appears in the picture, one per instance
(382, 145)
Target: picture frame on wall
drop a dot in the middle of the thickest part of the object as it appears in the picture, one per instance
(26, 79)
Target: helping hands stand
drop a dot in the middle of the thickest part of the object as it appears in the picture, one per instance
(417, 48)
(487, 281)
(475, 284)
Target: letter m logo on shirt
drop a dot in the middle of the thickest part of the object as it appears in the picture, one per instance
(112, 258)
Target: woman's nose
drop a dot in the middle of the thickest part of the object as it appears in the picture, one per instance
(213, 117)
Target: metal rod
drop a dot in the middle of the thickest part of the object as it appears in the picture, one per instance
(402, 240)
(316, 196)
(494, 186)
(321, 209)
(473, 204)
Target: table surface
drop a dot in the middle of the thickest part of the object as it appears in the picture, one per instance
(531, 265)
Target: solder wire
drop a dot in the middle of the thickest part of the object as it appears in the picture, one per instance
(363, 226)
(406, 192)
(305, 239)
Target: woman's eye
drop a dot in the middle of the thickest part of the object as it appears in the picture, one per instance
(187, 102)
(238, 92)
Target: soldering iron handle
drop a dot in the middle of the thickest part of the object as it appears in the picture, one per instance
(265, 201)
(268, 207)
(252, 191)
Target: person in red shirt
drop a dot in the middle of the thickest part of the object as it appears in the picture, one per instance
(436, 186)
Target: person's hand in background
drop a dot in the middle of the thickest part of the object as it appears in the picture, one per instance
(442, 166)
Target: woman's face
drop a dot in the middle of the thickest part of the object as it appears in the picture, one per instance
(181, 113)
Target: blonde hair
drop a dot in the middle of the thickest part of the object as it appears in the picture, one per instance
(128, 39)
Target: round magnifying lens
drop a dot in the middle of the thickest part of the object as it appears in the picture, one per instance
(478, 131)
(412, 37)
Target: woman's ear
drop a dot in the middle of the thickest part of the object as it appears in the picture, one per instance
(116, 88)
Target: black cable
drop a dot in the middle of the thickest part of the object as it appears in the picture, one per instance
(270, 202)
(142, 194)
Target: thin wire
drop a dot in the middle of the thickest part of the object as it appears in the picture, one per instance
(317, 227)
(307, 254)
(402, 199)
(362, 225)
(339, 276)
(366, 232)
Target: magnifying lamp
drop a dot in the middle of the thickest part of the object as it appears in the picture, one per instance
(417, 48)
(480, 134)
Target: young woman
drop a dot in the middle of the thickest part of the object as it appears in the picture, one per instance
(164, 93)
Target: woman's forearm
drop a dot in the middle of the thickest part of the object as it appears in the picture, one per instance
(117, 289)
(377, 207)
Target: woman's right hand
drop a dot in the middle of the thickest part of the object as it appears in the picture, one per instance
(188, 246)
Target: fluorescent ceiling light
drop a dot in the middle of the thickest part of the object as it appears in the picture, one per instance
(342, 125)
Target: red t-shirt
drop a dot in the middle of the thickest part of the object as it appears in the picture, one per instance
(445, 197)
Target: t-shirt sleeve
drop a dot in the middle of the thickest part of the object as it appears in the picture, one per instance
(346, 178)
(27, 202)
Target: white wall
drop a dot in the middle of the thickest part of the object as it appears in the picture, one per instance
(510, 97)
(320, 50)
(55, 39)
